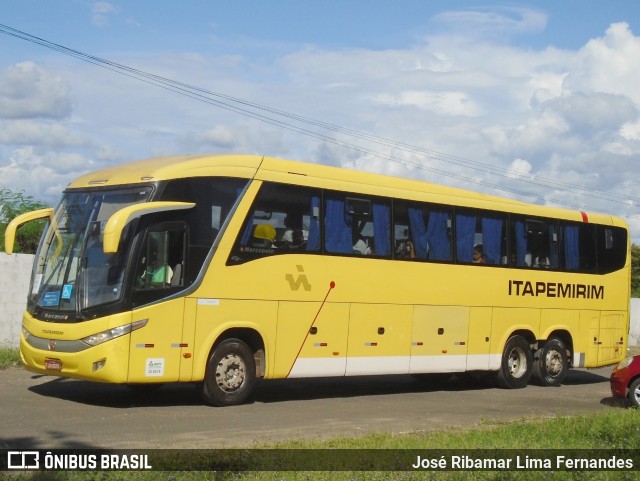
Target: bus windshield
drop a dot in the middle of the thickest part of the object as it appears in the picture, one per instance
(72, 272)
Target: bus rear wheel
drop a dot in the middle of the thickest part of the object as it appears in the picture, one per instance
(516, 364)
(550, 363)
(230, 374)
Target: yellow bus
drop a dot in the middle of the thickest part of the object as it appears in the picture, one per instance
(225, 269)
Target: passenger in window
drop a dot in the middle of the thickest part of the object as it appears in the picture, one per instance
(478, 255)
(528, 259)
(160, 275)
(264, 236)
(287, 237)
(362, 247)
(294, 238)
(406, 250)
(541, 262)
(155, 273)
(153, 278)
(297, 240)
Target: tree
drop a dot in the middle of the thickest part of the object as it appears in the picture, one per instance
(13, 204)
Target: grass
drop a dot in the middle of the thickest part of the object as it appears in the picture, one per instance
(9, 357)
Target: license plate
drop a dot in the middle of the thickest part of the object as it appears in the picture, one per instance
(53, 364)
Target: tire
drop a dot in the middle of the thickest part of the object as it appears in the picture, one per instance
(550, 363)
(516, 365)
(634, 393)
(230, 375)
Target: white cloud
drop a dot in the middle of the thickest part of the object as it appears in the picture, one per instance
(49, 135)
(28, 91)
(442, 103)
(598, 113)
(100, 12)
(519, 167)
(42, 174)
(239, 137)
(218, 136)
(631, 130)
(608, 64)
(493, 21)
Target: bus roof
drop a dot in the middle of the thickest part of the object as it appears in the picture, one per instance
(165, 168)
(309, 174)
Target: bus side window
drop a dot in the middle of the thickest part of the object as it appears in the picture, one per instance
(337, 224)
(283, 219)
(403, 237)
(438, 234)
(357, 225)
(534, 243)
(422, 231)
(161, 263)
(214, 198)
(579, 247)
(483, 234)
(612, 248)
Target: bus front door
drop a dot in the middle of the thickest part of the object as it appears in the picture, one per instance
(156, 349)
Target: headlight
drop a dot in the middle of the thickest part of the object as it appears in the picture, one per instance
(25, 333)
(624, 363)
(109, 334)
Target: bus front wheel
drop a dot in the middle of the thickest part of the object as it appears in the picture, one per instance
(550, 363)
(230, 374)
(516, 364)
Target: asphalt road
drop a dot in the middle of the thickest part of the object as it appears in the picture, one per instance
(47, 412)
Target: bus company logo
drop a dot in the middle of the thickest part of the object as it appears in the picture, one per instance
(52, 345)
(555, 289)
(300, 281)
(23, 460)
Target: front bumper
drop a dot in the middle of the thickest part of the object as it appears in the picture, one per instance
(112, 357)
(618, 382)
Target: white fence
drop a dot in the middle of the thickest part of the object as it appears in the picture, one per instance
(634, 329)
(15, 272)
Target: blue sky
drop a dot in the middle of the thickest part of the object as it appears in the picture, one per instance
(532, 100)
(166, 25)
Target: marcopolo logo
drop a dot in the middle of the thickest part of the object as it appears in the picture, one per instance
(300, 281)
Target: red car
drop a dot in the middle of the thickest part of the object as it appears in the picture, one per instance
(625, 380)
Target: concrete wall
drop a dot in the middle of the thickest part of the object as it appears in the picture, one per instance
(15, 273)
(634, 330)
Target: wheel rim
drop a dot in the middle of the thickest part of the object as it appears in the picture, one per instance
(517, 363)
(230, 373)
(636, 395)
(553, 362)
